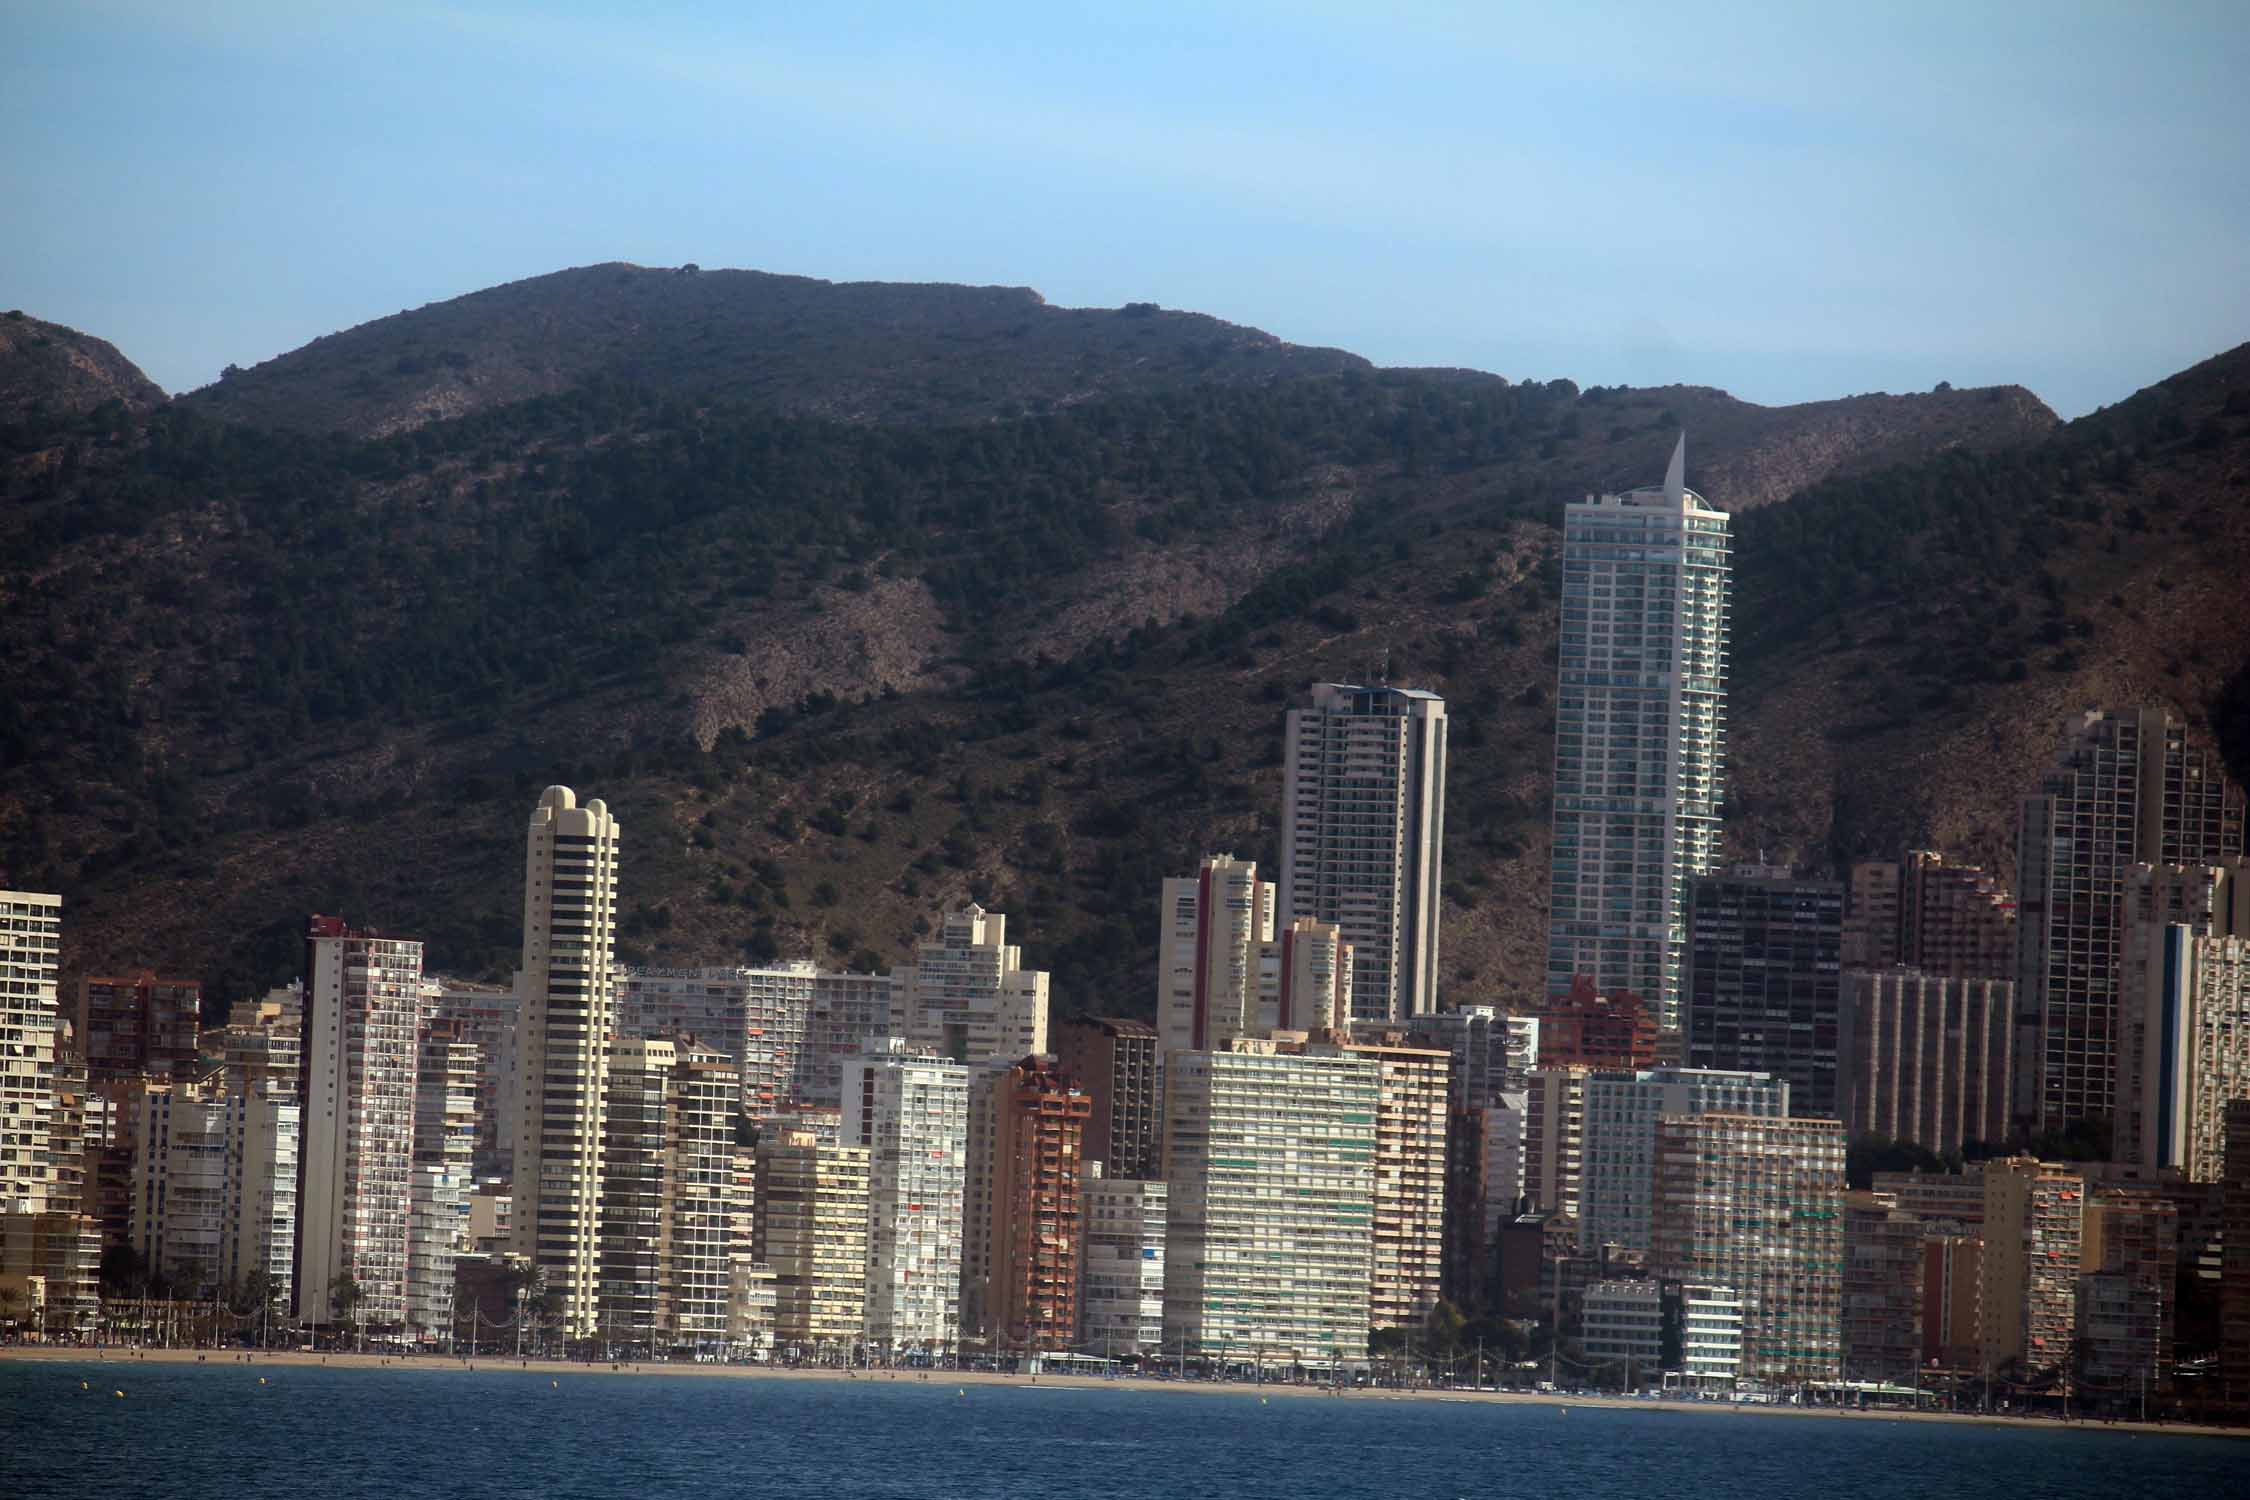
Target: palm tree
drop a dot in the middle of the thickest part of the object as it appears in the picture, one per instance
(345, 1294)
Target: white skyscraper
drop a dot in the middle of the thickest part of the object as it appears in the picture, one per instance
(354, 1197)
(911, 1115)
(566, 992)
(30, 934)
(1640, 735)
(968, 996)
(1362, 822)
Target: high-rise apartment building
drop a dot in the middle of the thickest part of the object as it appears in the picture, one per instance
(30, 938)
(356, 1158)
(1930, 913)
(1030, 1295)
(1216, 926)
(2234, 1259)
(1407, 1258)
(707, 1212)
(1121, 1270)
(2127, 788)
(1751, 1202)
(1119, 1063)
(789, 1027)
(968, 996)
(487, 1015)
(214, 1187)
(2034, 1217)
(2185, 1014)
(1640, 735)
(1617, 1182)
(137, 1025)
(1490, 1050)
(1554, 1137)
(565, 998)
(635, 1297)
(1306, 979)
(1362, 825)
(1882, 1293)
(2129, 1264)
(908, 1116)
(810, 1228)
(1269, 1166)
(1927, 1058)
(1764, 985)
(1484, 1179)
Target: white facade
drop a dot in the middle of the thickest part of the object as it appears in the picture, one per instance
(1622, 1323)
(1640, 736)
(356, 1158)
(1121, 1272)
(437, 1235)
(1269, 1158)
(1214, 928)
(967, 995)
(1710, 1336)
(1362, 825)
(215, 1187)
(788, 1027)
(910, 1114)
(1617, 1179)
(30, 935)
(1493, 1052)
(566, 994)
(179, 1222)
(264, 1139)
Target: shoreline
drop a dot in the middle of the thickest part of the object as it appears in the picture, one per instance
(554, 1369)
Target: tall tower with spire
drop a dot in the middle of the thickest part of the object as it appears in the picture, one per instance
(1640, 734)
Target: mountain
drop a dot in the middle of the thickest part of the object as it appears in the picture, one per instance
(845, 351)
(847, 646)
(49, 372)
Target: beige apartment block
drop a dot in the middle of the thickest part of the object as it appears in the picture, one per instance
(811, 1231)
(2034, 1218)
(968, 996)
(566, 1007)
(1927, 1058)
(1408, 1255)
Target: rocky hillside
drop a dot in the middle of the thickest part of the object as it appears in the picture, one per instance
(837, 674)
(845, 351)
(50, 373)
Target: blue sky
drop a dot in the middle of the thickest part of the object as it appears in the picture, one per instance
(1789, 201)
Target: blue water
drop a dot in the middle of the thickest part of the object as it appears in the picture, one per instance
(213, 1433)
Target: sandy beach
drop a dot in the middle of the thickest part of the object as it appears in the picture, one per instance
(217, 1360)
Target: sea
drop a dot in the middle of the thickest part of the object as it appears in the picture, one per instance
(213, 1432)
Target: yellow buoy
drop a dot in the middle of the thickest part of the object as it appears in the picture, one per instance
(82, 1385)
(261, 1380)
(963, 1391)
(117, 1393)
(555, 1385)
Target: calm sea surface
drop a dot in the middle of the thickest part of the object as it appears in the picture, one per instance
(213, 1433)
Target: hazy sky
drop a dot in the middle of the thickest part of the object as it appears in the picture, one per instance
(1791, 201)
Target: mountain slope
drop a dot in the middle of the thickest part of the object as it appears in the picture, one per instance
(847, 351)
(835, 675)
(49, 372)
